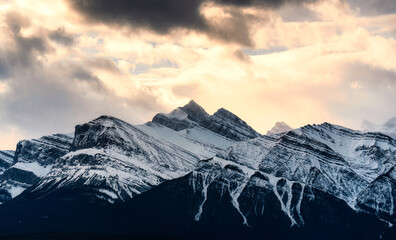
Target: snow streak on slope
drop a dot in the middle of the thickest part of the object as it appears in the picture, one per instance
(235, 179)
(347, 164)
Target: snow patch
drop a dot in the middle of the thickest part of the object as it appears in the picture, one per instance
(15, 191)
(34, 167)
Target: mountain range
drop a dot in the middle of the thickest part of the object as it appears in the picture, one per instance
(191, 175)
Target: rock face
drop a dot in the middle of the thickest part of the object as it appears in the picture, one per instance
(222, 122)
(229, 125)
(32, 160)
(6, 159)
(280, 127)
(388, 128)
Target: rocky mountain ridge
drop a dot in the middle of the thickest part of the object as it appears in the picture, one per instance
(188, 174)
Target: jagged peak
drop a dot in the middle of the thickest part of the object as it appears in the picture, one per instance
(195, 112)
(279, 127)
(192, 104)
(226, 114)
(105, 118)
(188, 116)
(107, 121)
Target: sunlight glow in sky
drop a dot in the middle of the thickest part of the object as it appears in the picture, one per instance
(66, 62)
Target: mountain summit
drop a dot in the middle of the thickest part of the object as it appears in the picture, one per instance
(280, 127)
(222, 122)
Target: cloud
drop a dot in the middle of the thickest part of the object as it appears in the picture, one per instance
(264, 60)
(158, 15)
(163, 16)
(61, 37)
(355, 85)
(21, 51)
(40, 94)
(372, 8)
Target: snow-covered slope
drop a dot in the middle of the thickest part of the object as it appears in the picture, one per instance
(388, 128)
(355, 167)
(113, 160)
(32, 160)
(280, 127)
(198, 140)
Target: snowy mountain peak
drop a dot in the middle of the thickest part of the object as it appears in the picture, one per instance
(222, 122)
(388, 128)
(194, 111)
(280, 127)
(182, 118)
(104, 132)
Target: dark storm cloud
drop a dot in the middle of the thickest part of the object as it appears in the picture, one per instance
(162, 16)
(159, 15)
(233, 29)
(262, 3)
(61, 37)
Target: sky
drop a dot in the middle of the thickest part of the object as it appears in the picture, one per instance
(64, 63)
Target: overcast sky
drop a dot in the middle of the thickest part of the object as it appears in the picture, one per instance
(299, 61)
